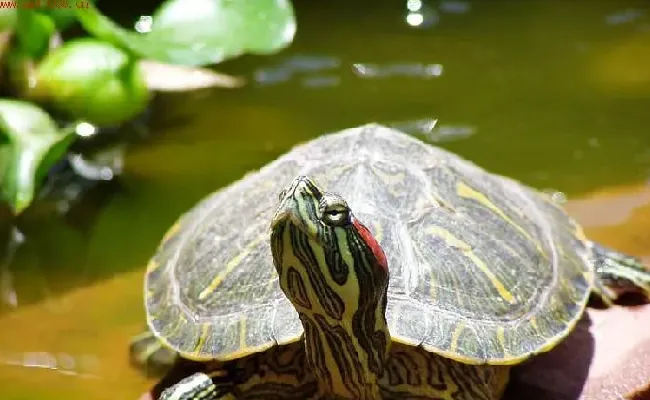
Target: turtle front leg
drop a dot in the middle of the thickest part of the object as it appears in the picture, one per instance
(198, 386)
(147, 353)
(203, 386)
(619, 273)
(279, 373)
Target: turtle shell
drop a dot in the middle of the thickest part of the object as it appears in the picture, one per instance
(482, 268)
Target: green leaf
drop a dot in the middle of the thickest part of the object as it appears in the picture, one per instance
(92, 80)
(8, 17)
(31, 143)
(34, 30)
(200, 32)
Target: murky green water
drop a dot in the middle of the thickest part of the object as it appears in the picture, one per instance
(556, 96)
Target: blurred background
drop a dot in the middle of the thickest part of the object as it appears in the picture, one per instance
(555, 94)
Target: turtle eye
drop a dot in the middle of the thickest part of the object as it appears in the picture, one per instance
(334, 210)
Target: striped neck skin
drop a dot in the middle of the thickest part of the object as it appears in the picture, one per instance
(335, 274)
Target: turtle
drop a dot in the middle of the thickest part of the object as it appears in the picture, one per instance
(369, 264)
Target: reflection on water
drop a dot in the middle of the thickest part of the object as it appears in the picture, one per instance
(420, 14)
(415, 70)
(625, 16)
(74, 346)
(554, 96)
(8, 295)
(429, 130)
(314, 71)
(81, 366)
(293, 66)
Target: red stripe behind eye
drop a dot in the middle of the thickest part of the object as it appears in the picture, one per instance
(370, 241)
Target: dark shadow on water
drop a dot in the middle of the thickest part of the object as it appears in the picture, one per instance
(52, 255)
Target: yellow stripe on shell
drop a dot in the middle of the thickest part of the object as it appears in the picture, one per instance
(205, 330)
(467, 250)
(465, 191)
(230, 266)
(171, 232)
(152, 266)
(453, 346)
(502, 340)
(242, 332)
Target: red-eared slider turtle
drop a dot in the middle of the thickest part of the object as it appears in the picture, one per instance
(416, 275)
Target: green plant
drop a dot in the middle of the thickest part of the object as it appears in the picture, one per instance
(100, 78)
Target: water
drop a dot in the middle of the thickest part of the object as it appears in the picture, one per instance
(554, 96)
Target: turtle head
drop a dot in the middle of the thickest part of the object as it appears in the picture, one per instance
(316, 234)
(335, 274)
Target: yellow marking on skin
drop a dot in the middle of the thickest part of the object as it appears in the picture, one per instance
(312, 229)
(289, 258)
(465, 191)
(501, 337)
(453, 346)
(230, 266)
(467, 250)
(344, 250)
(349, 292)
(202, 338)
(533, 323)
